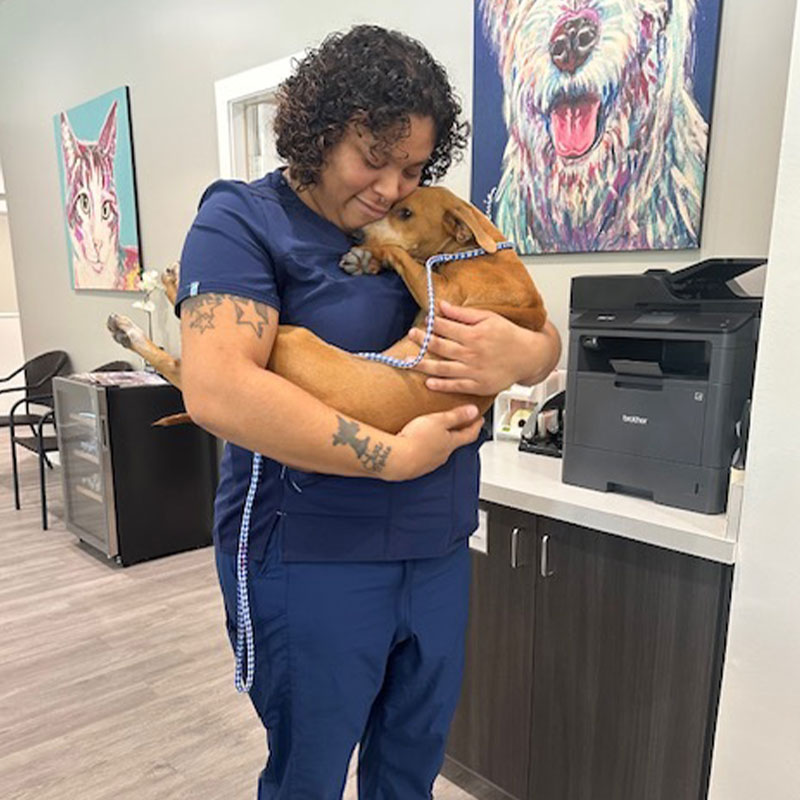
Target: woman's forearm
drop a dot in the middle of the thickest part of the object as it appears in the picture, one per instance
(262, 412)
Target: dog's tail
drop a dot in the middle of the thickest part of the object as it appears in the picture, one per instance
(172, 419)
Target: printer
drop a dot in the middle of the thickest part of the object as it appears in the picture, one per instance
(660, 370)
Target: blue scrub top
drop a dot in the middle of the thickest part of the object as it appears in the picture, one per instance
(259, 240)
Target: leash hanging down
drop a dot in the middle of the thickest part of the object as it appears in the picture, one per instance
(245, 652)
(245, 643)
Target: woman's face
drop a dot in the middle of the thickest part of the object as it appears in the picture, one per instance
(358, 182)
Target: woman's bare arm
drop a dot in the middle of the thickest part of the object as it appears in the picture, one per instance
(226, 344)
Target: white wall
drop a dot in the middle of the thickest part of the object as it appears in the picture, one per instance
(10, 358)
(10, 334)
(8, 291)
(757, 752)
(2, 188)
(170, 54)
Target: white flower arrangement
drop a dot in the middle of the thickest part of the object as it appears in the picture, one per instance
(149, 282)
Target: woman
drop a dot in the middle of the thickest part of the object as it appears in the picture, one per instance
(358, 572)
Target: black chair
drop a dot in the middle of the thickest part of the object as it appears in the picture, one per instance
(38, 388)
(42, 444)
(115, 366)
(39, 374)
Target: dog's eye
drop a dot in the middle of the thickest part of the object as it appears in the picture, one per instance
(404, 213)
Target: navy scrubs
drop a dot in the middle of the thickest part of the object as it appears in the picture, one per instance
(358, 587)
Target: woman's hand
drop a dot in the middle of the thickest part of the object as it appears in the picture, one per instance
(427, 441)
(479, 352)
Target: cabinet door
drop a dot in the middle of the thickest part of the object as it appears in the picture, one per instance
(490, 734)
(627, 665)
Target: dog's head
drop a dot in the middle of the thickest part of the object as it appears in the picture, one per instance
(432, 220)
(589, 72)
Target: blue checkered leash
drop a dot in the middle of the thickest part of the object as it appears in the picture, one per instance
(244, 624)
(410, 363)
(245, 644)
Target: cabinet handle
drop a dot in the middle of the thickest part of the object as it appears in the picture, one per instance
(515, 548)
(544, 569)
(104, 437)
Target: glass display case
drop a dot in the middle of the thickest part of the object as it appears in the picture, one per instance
(131, 489)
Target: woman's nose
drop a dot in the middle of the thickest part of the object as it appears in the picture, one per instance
(389, 187)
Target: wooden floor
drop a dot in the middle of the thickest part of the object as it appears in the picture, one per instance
(117, 683)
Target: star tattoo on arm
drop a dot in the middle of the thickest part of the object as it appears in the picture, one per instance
(373, 460)
(249, 312)
(201, 309)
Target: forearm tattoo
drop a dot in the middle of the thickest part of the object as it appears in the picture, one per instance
(202, 307)
(375, 459)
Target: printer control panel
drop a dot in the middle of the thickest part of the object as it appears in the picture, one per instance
(655, 318)
(661, 320)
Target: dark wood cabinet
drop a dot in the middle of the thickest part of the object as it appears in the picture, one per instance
(491, 732)
(626, 668)
(593, 665)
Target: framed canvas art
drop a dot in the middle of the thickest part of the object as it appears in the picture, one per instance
(98, 192)
(591, 121)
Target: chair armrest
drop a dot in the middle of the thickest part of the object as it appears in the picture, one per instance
(13, 389)
(12, 424)
(14, 408)
(15, 372)
(48, 416)
(42, 400)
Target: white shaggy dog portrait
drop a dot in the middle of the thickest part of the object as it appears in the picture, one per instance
(606, 144)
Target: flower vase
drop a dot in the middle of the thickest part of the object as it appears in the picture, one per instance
(147, 366)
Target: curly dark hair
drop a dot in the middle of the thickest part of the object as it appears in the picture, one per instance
(377, 77)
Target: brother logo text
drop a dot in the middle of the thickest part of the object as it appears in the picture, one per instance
(634, 420)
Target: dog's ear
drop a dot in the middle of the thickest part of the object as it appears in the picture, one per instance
(463, 223)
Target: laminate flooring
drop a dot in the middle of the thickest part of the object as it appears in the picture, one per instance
(117, 683)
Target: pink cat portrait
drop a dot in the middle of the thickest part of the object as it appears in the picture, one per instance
(92, 210)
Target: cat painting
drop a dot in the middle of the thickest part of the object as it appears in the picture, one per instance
(93, 209)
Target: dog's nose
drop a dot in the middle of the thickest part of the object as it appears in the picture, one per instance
(358, 236)
(573, 41)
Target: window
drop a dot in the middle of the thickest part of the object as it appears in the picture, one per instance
(245, 110)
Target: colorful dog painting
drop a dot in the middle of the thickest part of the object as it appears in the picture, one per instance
(98, 191)
(606, 143)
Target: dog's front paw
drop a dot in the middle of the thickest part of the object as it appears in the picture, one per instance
(170, 276)
(125, 331)
(358, 261)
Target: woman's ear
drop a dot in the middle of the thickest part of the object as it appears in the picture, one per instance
(463, 223)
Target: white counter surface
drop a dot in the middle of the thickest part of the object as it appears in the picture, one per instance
(532, 483)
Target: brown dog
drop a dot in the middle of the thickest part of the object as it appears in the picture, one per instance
(429, 221)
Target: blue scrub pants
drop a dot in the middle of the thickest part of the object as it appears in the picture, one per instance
(347, 652)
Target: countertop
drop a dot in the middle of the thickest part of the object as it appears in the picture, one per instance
(532, 483)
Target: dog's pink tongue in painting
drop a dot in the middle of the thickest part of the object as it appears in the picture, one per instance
(573, 126)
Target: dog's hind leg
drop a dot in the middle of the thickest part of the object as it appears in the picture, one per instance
(169, 280)
(130, 335)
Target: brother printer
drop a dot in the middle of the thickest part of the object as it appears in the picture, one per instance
(660, 370)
